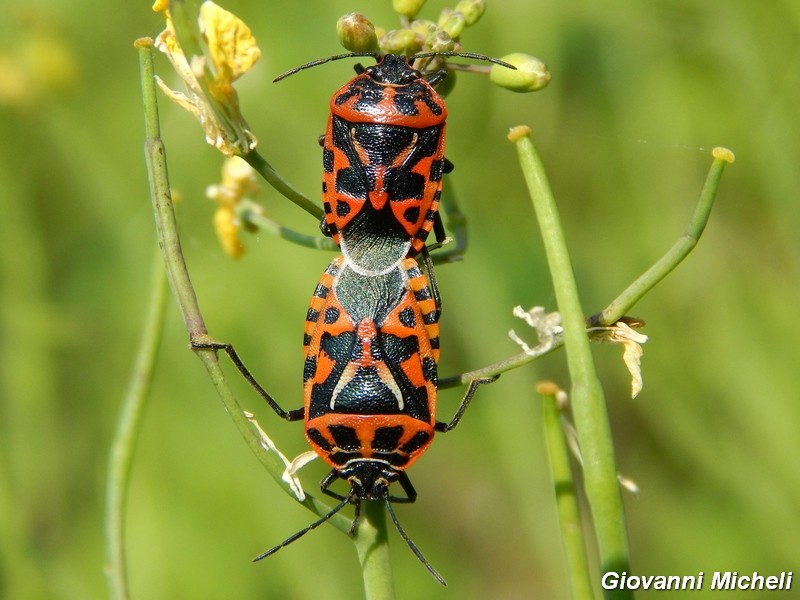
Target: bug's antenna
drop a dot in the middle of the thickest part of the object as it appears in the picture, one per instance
(321, 61)
(314, 525)
(471, 55)
(411, 544)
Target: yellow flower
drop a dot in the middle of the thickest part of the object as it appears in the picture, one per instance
(238, 182)
(210, 94)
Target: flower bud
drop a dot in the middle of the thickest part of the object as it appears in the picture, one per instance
(422, 27)
(356, 33)
(440, 41)
(471, 9)
(407, 8)
(531, 74)
(453, 23)
(399, 41)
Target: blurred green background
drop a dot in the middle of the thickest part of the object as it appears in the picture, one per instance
(641, 92)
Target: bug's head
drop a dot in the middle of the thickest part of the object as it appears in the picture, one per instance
(393, 69)
(369, 479)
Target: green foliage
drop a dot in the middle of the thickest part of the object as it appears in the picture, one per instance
(638, 89)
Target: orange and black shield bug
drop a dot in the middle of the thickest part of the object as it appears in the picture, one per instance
(383, 160)
(371, 348)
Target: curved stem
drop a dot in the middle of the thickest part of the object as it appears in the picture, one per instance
(250, 213)
(183, 291)
(680, 250)
(260, 164)
(124, 445)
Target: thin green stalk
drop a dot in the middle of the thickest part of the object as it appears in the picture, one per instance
(260, 164)
(251, 214)
(680, 250)
(566, 497)
(372, 545)
(497, 368)
(634, 292)
(124, 445)
(183, 291)
(588, 403)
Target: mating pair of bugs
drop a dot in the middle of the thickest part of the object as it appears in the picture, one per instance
(371, 340)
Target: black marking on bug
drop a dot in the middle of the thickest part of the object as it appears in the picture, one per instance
(429, 365)
(387, 439)
(345, 437)
(417, 441)
(327, 160)
(407, 317)
(321, 291)
(332, 315)
(319, 439)
(309, 368)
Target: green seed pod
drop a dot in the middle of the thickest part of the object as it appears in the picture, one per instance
(453, 24)
(399, 41)
(423, 28)
(531, 74)
(440, 41)
(407, 8)
(472, 10)
(356, 33)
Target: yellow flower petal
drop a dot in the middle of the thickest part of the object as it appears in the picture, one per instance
(214, 103)
(227, 226)
(231, 45)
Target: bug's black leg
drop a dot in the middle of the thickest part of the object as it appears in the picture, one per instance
(326, 483)
(290, 415)
(473, 385)
(405, 483)
(438, 229)
(436, 77)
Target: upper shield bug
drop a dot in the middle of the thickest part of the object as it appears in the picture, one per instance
(383, 159)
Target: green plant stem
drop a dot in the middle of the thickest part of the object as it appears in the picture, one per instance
(588, 403)
(124, 444)
(634, 292)
(260, 164)
(251, 214)
(372, 545)
(680, 250)
(566, 498)
(183, 291)
(496, 368)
